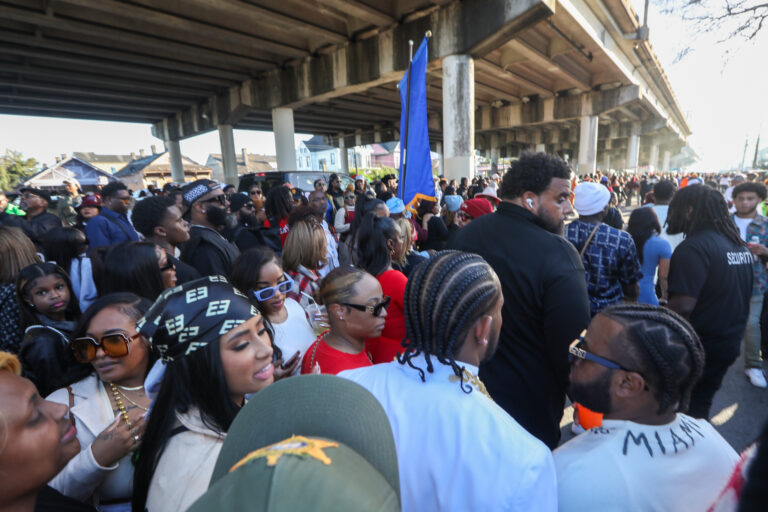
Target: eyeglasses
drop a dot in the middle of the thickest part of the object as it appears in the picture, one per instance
(270, 291)
(374, 310)
(576, 352)
(255, 192)
(222, 200)
(464, 216)
(125, 200)
(168, 266)
(114, 345)
(349, 197)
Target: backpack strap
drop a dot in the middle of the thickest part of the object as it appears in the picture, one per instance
(589, 239)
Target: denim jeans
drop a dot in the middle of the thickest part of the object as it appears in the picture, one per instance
(752, 334)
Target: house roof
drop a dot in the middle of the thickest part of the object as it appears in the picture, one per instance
(317, 143)
(96, 158)
(255, 162)
(384, 148)
(84, 172)
(157, 162)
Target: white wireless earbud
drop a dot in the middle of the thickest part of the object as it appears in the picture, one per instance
(529, 202)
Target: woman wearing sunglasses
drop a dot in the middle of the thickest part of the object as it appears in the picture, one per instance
(259, 274)
(380, 244)
(357, 310)
(104, 388)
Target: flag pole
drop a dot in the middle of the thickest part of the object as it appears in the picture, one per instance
(401, 186)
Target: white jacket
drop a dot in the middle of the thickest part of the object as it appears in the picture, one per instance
(83, 478)
(185, 467)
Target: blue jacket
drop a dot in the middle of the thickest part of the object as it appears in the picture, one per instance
(105, 229)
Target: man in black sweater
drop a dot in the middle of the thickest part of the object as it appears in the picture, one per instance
(206, 209)
(39, 220)
(546, 304)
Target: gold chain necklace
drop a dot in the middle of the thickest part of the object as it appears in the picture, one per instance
(472, 379)
(120, 405)
(128, 398)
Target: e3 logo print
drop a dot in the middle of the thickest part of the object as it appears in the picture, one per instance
(217, 307)
(197, 294)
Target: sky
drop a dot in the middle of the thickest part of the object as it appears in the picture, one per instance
(724, 99)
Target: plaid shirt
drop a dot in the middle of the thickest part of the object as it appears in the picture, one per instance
(759, 228)
(306, 281)
(610, 262)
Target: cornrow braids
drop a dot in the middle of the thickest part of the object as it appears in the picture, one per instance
(444, 297)
(708, 211)
(665, 348)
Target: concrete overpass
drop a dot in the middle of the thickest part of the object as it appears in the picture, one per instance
(576, 77)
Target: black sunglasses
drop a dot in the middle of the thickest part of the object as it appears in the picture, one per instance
(575, 352)
(374, 310)
(255, 192)
(222, 200)
(167, 266)
(349, 197)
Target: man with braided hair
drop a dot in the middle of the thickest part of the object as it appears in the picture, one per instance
(637, 364)
(710, 283)
(456, 449)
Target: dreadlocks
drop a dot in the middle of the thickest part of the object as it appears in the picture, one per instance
(666, 350)
(444, 296)
(708, 211)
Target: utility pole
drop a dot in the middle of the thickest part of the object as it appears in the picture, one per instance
(757, 152)
(744, 154)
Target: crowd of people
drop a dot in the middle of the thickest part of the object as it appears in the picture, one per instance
(199, 348)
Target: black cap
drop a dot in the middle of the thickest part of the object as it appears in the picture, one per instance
(41, 193)
(237, 201)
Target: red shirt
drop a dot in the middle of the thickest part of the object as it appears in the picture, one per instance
(284, 229)
(331, 361)
(384, 348)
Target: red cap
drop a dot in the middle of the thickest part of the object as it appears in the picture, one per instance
(93, 200)
(476, 207)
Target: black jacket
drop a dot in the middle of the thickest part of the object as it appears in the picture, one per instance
(546, 307)
(43, 358)
(36, 227)
(209, 252)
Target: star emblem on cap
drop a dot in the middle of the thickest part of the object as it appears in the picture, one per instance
(295, 445)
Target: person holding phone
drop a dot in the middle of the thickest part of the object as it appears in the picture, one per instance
(259, 274)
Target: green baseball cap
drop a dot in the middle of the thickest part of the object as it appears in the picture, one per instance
(315, 442)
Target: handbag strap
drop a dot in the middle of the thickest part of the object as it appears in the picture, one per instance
(589, 239)
(314, 351)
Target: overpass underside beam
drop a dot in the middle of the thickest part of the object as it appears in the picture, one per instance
(471, 27)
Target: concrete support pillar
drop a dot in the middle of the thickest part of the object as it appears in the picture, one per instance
(439, 151)
(343, 155)
(228, 156)
(606, 161)
(459, 116)
(633, 147)
(587, 145)
(653, 160)
(665, 165)
(495, 148)
(174, 155)
(282, 126)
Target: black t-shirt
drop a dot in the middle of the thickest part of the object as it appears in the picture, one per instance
(718, 273)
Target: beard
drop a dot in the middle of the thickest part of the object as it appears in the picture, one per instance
(217, 216)
(594, 395)
(550, 223)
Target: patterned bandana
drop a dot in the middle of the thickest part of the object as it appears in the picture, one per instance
(197, 189)
(188, 317)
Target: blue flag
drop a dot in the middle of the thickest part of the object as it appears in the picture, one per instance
(416, 180)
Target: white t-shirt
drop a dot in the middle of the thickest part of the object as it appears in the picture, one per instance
(457, 450)
(294, 333)
(661, 212)
(742, 225)
(623, 465)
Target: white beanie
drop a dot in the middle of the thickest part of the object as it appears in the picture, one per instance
(590, 198)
